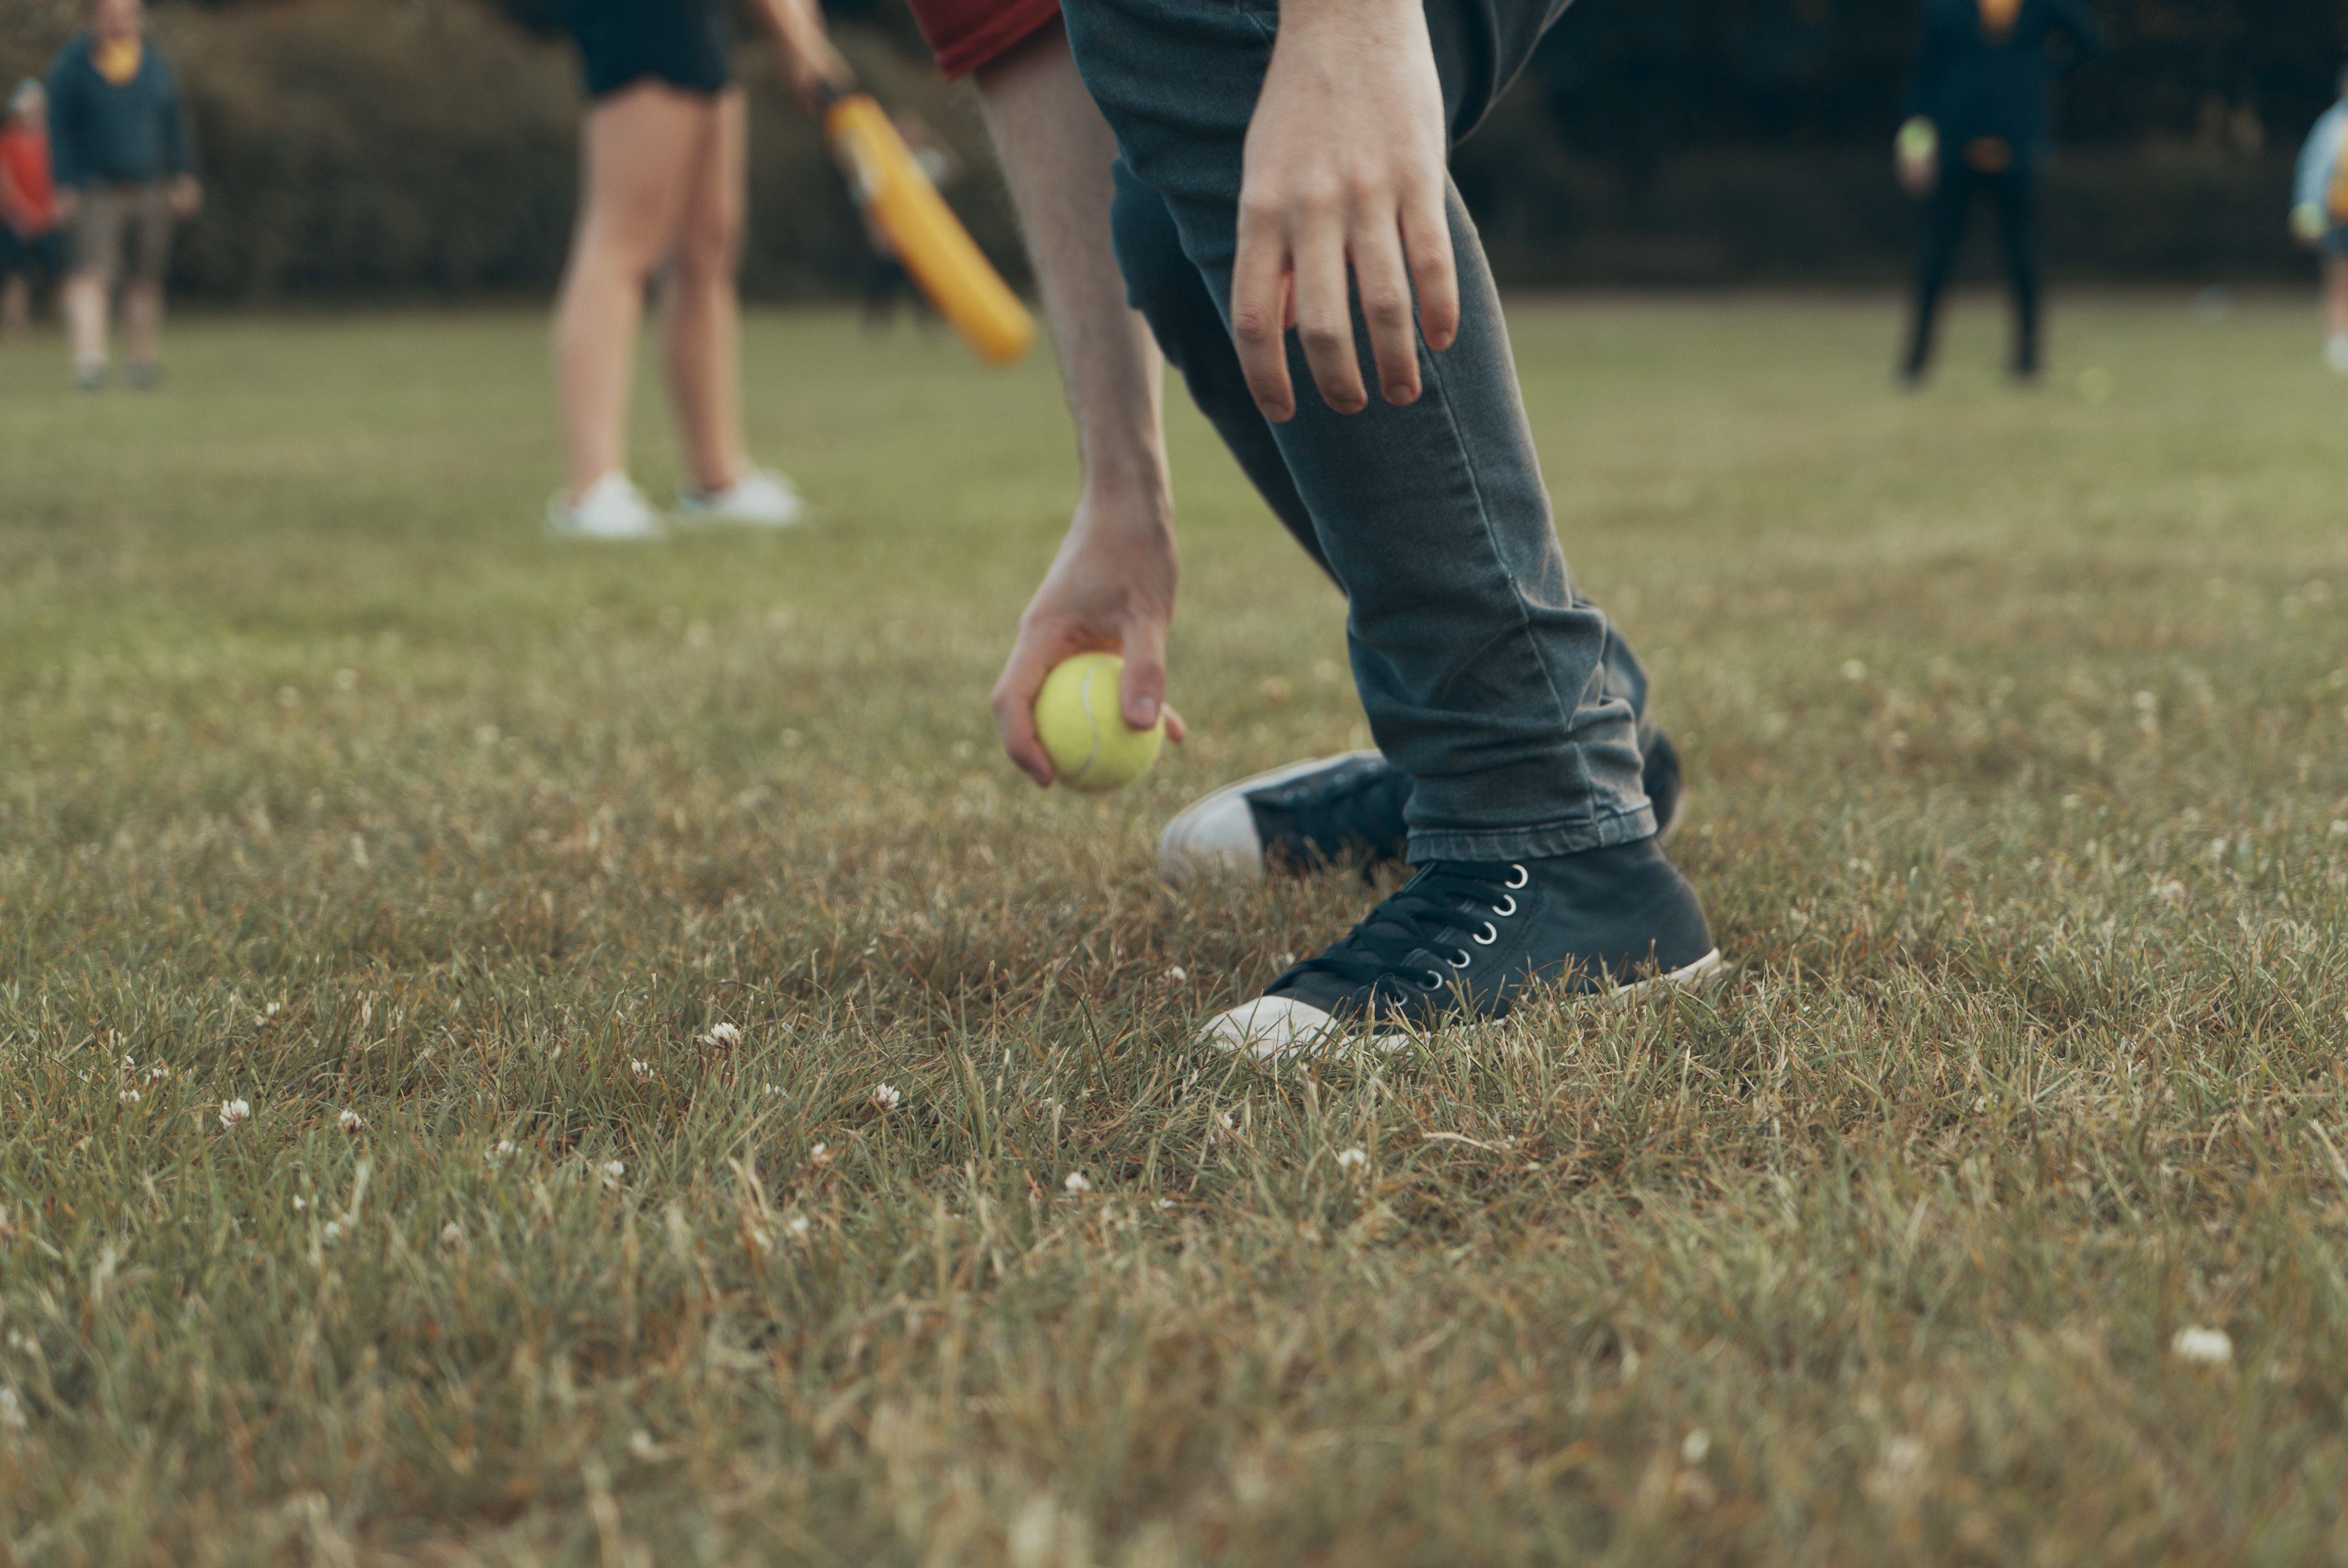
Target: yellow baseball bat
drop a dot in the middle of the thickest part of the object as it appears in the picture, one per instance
(929, 239)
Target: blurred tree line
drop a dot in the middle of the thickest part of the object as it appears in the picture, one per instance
(378, 149)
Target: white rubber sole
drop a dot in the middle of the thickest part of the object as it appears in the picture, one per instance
(1271, 1028)
(1215, 835)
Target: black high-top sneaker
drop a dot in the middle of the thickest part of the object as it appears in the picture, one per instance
(1462, 940)
(1310, 815)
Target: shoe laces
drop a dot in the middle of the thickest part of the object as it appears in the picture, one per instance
(1359, 806)
(1447, 914)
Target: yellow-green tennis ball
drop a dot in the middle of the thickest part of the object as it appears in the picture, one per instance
(1919, 139)
(2308, 222)
(1093, 749)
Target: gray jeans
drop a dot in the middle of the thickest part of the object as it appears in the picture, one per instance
(1509, 698)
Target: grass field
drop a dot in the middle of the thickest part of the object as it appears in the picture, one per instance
(2015, 723)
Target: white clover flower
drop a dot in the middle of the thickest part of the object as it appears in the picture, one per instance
(798, 1225)
(501, 1150)
(157, 1072)
(11, 1414)
(349, 1121)
(1077, 1185)
(2210, 1347)
(643, 1069)
(300, 1203)
(725, 1036)
(613, 1171)
(1694, 1445)
(271, 1011)
(1351, 1161)
(885, 1097)
(1177, 975)
(820, 1155)
(452, 1235)
(128, 1097)
(234, 1113)
(330, 1233)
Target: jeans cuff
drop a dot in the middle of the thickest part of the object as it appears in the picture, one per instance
(1537, 843)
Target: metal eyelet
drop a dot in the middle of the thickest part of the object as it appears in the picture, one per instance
(1491, 935)
(1434, 982)
(1523, 876)
(1511, 909)
(1464, 959)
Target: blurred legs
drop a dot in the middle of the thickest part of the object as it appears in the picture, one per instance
(700, 309)
(85, 303)
(636, 143)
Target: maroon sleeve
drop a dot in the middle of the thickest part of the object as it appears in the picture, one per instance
(966, 35)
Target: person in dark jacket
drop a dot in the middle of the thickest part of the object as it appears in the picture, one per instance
(125, 169)
(1980, 119)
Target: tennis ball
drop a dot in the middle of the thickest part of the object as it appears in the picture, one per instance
(1093, 749)
(1920, 140)
(2308, 222)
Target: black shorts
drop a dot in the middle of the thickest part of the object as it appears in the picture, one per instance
(621, 42)
(46, 253)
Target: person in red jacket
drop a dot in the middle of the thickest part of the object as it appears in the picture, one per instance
(29, 236)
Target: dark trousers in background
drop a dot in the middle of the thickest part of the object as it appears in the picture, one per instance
(2014, 192)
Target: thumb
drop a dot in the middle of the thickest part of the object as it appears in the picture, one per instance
(1141, 694)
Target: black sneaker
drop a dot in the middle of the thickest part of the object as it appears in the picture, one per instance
(1307, 815)
(1462, 940)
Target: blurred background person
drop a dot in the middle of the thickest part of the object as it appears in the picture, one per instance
(125, 168)
(1979, 120)
(2319, 219)
(29, 238)
(664, 194)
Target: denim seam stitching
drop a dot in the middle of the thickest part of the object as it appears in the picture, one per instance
(1484, 517)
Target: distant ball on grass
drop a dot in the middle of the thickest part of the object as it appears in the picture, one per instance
(1077, 717)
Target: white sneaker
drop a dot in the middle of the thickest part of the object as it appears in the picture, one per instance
(761, 499)
(2335, 354)
(613, 508)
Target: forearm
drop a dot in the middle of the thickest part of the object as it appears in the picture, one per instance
(808, 57)
(1056, 152)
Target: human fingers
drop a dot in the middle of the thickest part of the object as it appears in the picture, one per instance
(1324, 315)
(1260, 306)
(1383, 279)
(1434, 268)
(1141, 692)
(1013, 701)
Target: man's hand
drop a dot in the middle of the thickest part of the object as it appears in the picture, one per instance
(185, 196)
(1345, 165)
(69, 204)
(1110, 590)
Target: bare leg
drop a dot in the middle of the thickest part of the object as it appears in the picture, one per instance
(84, 301)
(142, 322)
(701, 312)
(15, 307)
(2335, 296)
(636, 143)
